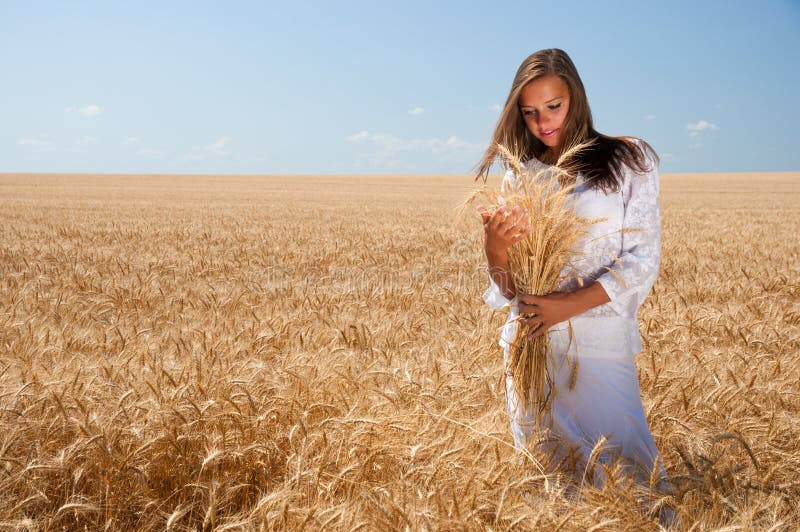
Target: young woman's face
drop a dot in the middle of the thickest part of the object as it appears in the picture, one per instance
(544, 103)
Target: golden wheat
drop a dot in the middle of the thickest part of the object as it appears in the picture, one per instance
(286, 352)
(538, 261)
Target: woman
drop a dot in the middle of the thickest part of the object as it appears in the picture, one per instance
(547, 111)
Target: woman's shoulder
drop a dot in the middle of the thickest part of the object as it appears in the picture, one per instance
(632, 159)
(646, 153)
(640, 173)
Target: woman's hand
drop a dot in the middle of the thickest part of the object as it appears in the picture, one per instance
(542, 312)
(504, 228)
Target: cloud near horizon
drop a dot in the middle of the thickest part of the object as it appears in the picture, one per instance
(218, 148)
(89, 111)
(361, 135)
(389, 147)
(37, 143)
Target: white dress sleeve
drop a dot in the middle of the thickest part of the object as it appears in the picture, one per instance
(493, 296)
(637, 268)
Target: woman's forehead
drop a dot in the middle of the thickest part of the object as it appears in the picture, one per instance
(542, 91)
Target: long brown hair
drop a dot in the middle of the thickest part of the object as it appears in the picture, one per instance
(601, 163)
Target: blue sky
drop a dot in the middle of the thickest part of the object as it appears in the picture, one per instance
(382, 87)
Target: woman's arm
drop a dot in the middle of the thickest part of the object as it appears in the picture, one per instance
(628, 281)
(559, 306)
(503, 229)
(588, 297)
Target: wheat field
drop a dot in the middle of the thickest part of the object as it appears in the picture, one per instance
(312, 352)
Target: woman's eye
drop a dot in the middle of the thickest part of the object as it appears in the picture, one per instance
(554, 107)
(528, 112)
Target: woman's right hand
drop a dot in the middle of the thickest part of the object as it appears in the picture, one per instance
(504, 228)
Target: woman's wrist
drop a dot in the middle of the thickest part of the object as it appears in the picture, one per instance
(499, 271)
(497, 256)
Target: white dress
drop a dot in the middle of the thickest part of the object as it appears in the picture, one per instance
(605, 399)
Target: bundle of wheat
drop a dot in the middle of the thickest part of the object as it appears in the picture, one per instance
(540, 262)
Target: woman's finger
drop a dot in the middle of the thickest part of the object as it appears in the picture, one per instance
(498, 217)
(510, 223)
(485, 214)
(528, 299)
(533, 322)
(522, 234)
(540, 330)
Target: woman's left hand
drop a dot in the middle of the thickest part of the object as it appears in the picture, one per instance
(547, 310)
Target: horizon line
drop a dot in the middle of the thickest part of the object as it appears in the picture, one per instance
(321, 174)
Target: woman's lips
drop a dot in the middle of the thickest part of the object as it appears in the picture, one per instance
(546, 134)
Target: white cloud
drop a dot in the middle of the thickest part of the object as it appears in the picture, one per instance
(456, 143)
(361, 135)
(86, 140)
(417, 111)
(698, 127)
(218, 148)
(388, 148)
(89, 111)
(396, 144)
(495, 107)
(150, 152)
(135, 143)
(649, 118)
(35, 143)
(697, 132)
